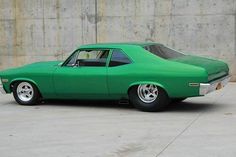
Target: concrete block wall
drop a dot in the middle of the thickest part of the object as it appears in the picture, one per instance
(38, 30)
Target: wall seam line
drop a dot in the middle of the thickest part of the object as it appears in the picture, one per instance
(96, 20)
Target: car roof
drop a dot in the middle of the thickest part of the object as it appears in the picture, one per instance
(117, 45)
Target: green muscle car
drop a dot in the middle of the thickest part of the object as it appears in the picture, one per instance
(149, 75)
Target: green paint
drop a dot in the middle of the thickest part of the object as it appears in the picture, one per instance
(174, 75)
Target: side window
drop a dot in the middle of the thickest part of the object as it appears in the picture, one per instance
(70, 62)
(118, 58)
(89, 58)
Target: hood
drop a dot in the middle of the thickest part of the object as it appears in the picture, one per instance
(34, 67)
(42, 64)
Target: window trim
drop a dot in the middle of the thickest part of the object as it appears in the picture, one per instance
(110, 57)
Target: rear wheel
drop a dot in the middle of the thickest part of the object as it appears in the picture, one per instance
(25, 93)
(148, 97)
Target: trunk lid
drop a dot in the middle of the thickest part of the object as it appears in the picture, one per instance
(214, 68)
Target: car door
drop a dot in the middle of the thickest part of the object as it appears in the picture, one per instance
(83, 75)
(119, 74)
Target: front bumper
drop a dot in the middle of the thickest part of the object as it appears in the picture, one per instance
(2, 90)
(206, 88)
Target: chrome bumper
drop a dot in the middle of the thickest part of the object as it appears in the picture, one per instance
(2, 90)
(206, 88)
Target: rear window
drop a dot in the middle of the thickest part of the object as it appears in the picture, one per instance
(162, 51)
(118, 58)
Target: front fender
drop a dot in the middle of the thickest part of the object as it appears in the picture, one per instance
(8, 85)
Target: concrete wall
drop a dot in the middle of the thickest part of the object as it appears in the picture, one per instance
(37, 30)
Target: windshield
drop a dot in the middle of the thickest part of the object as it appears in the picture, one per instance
(162, 51)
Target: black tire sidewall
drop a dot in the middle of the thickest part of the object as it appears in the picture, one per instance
(158, 105)
(34, 99)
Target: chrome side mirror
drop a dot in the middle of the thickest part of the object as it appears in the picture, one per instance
(60, 64)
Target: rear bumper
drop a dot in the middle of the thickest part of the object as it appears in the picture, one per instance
(206, 88)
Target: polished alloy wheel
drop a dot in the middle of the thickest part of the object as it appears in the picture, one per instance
(148, 93)
(25, 91)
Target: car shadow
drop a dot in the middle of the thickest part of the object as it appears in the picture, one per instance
(185, 106)
(89, 103)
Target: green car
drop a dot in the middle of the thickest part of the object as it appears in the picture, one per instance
(149, 75)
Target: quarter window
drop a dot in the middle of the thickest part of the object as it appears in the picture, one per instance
(118, 58)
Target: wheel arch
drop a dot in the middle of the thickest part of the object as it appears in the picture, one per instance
(23, 79)
(147, 82)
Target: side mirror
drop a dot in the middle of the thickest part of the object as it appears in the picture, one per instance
(60, 64)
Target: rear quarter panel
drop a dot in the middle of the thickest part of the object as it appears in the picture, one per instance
(174, 78)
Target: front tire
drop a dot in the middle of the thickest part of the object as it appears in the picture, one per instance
(148, 97)
(25, 93)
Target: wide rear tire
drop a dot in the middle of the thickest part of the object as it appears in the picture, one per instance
(148, 97)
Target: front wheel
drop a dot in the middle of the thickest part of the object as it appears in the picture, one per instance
(148, 97)
(25, 93)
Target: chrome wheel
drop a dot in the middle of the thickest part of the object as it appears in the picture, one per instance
(25, 91)
(147, 93)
